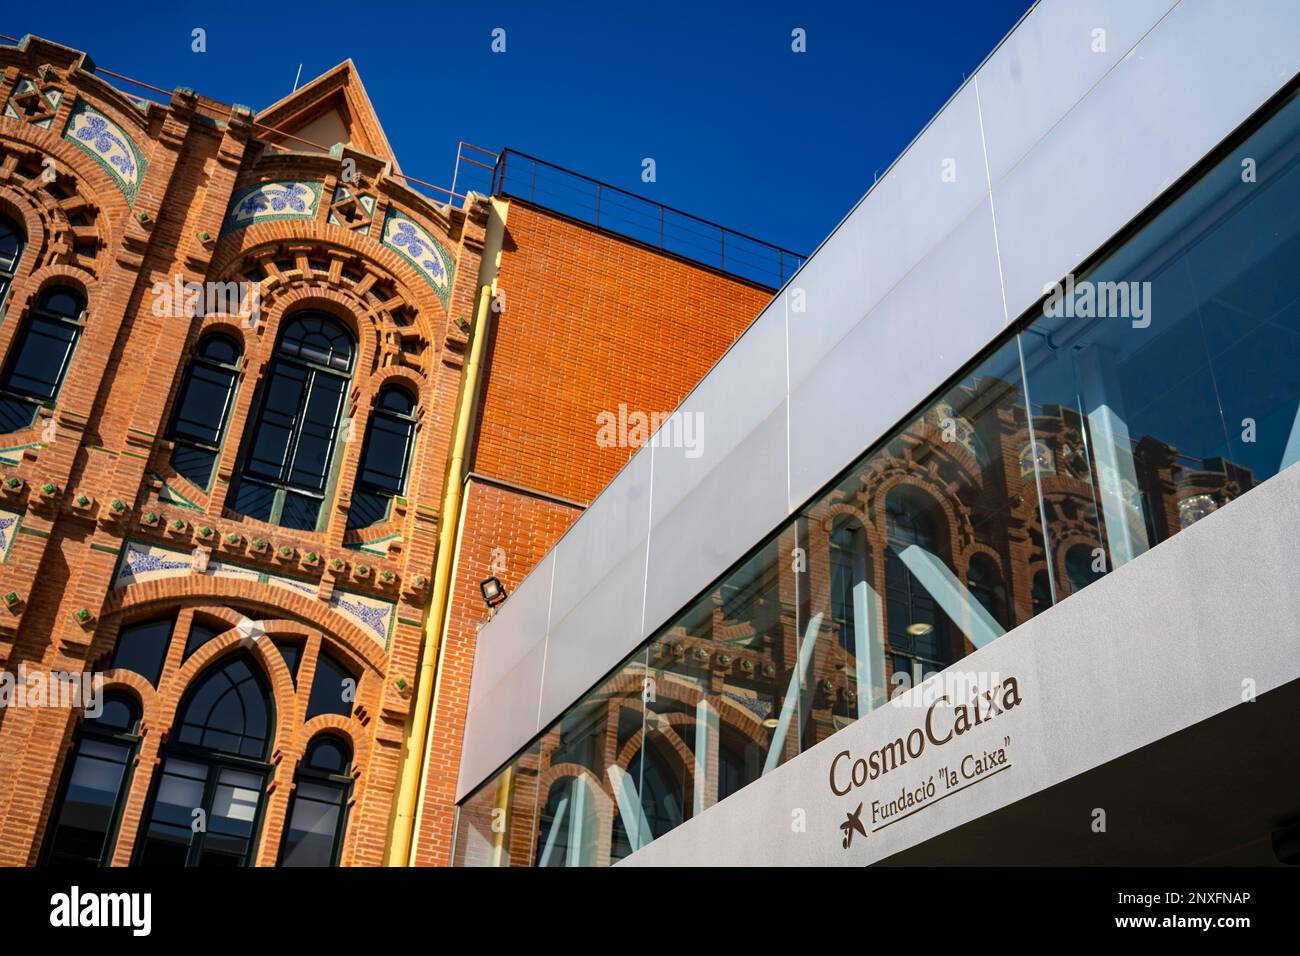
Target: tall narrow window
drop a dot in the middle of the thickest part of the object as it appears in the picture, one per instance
(12, 244)
(39, 356)
(317, 813)
(204, 407)
(206, 805)
(83, 824)
(385, 457)
(290, 453)
(333, 688)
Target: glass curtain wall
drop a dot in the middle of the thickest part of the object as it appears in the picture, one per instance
(1144, 394)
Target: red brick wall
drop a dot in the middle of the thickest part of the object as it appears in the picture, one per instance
(591, 321)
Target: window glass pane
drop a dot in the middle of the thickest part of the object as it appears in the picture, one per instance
(286, 388)
(388, 446)
(11, 245)
(62, 302)
(220, 348)
(199, 635)
(396, 399)
(311, 459)
(314, 822)
(254, 500)
(592, 806)
(194, 464)
(82, 821)
(227, 710)
(927, 550)
(37, 367)
(300, 512)
(333, 688)
(367, 508)
(143, 648)
(486, 837)
(201, 411)
(291, 651)
(166, 838)
(1164, 380)
(16, 413)
(328, 754)
(724, 708)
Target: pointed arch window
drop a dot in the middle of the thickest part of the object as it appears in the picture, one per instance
(39, 356)
(318, 808)
(88, 808)
(290, 454)
(203, 408)
(207, 801)
(12, 245)
(385, 457)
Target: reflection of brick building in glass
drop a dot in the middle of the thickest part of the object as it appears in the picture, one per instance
(725, 696)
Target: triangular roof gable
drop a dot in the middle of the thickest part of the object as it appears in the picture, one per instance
(332, 106)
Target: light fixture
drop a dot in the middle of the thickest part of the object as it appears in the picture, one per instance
(494, 592)
(771, 723)
(919, 630)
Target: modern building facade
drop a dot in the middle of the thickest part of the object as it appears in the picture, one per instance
(989, 554)
(261, 401)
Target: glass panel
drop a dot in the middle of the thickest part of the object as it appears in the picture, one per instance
(227, 710)
(166, 838)
(199, 635)
(312, 833)
(16, 413)
(495, 826)
(300, 512)
(143, 648)
(1163, 380)
(723, 707)
(84, 818)
(388, 447)
(333, 688)
(235, 800)
(254, 500)
(204, 403)
(592, 808)
(11, 244)
(366, 509)
(286, 389)
(194, 464)
(319, 425)
(36, 368)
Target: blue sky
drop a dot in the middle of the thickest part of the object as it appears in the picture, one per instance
(742, 130)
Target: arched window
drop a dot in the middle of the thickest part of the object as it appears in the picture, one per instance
(206, 805)
(317, 814)
(291, 448)
(385, 457)
(203, 408)
(39, 356)
(12, 245)
(567, 825)
(83, 823)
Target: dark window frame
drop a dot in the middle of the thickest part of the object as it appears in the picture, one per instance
(42, 317)
(342, 783)
(89, 729)
(215, 761)
(372, 492)
(213, 366)
(9, 272)
(324, 367)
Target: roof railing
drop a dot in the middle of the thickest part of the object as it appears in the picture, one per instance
(521, 176)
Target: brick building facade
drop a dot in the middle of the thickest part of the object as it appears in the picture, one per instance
(278, 557)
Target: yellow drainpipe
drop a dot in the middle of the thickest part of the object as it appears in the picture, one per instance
(400, 843)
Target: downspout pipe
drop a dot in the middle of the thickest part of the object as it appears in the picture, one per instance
(400, 845)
